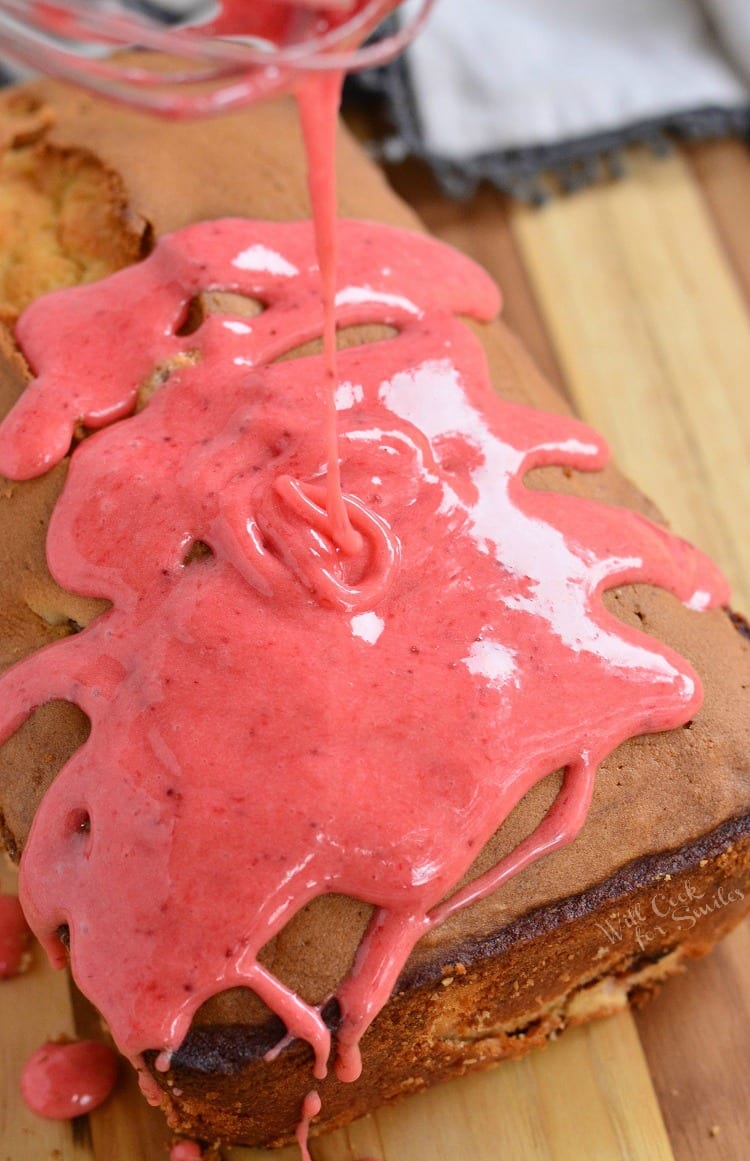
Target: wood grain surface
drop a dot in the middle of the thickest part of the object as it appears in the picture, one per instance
(634, 297)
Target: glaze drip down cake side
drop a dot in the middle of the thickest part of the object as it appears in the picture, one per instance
(447, 637)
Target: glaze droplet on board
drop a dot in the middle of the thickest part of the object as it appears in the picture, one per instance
(64, 1080)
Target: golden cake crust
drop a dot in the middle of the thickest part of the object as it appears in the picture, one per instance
(105, 181)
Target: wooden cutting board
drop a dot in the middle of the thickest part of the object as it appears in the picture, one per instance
(634, 297)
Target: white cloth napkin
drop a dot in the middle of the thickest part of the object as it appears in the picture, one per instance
(496, 75)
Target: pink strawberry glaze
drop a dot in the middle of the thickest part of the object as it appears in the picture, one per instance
(318, 100)
(15, 937)
(251, 709)
(185, 1151)
(311, 1106)
(60, 1081)
(314, 28)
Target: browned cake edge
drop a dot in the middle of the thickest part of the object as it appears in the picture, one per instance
(492, 1000)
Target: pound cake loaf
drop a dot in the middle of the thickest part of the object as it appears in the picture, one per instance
(661, 867)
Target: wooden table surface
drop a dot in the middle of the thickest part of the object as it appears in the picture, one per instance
(635, 299)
